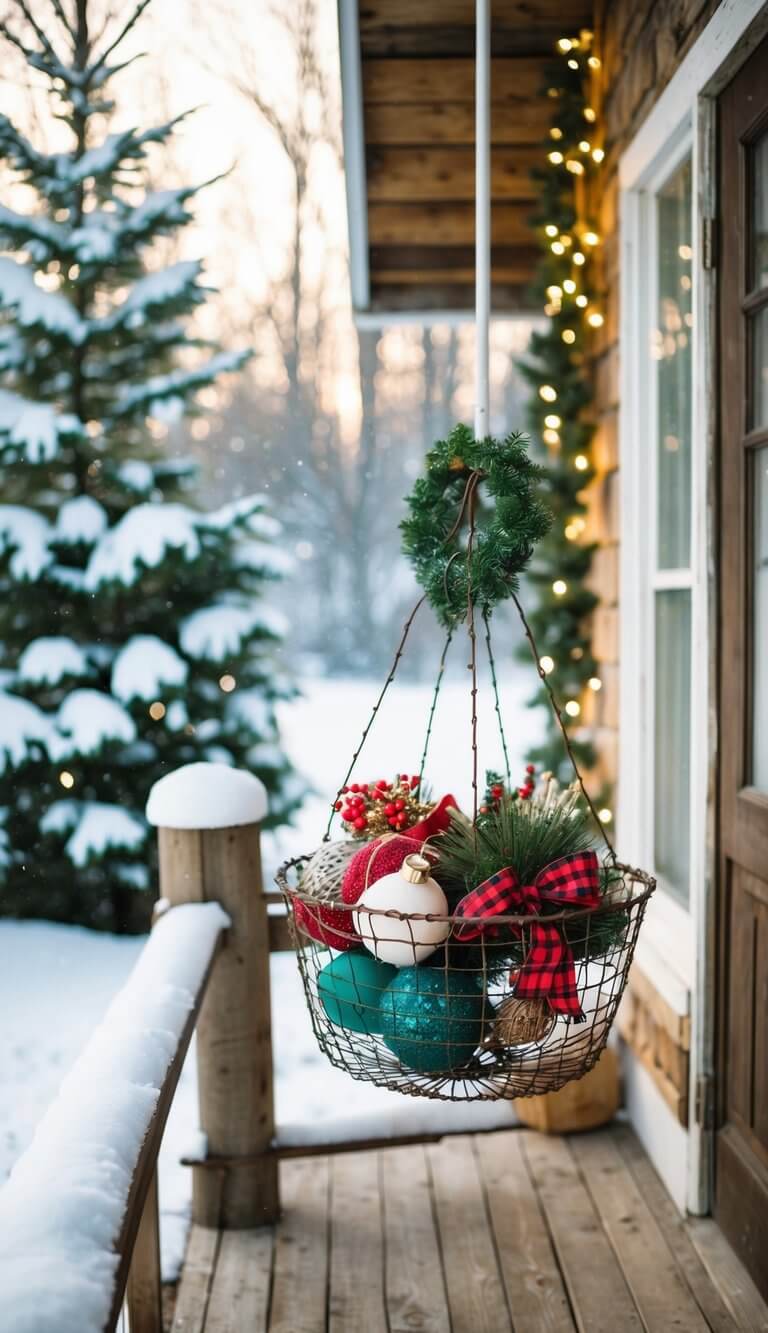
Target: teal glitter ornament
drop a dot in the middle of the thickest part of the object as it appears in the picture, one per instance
(350, 989)
(432, 1018)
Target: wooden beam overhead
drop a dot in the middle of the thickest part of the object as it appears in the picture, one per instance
(416, 175)
(441, 123)
(449, 296)
(444, 224)
(446, 27)
(513, 81)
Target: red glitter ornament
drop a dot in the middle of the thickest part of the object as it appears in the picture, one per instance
(328, 925)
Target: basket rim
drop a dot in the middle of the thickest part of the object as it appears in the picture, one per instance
(642, 877)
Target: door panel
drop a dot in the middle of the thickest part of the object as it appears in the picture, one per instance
(741, 1147)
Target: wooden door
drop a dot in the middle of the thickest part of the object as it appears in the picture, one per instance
(741, 1143)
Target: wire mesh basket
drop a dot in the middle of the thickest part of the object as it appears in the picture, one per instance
(452, 1027)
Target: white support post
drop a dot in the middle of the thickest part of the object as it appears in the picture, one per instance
(482, 214)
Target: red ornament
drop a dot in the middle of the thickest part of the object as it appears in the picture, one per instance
(328, 925)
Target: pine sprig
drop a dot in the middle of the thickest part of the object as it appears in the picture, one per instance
(510, 518)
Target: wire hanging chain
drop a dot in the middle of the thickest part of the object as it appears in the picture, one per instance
(436, 691)
(497, 701)
(376, 707)
(566, 738)
(471, 495)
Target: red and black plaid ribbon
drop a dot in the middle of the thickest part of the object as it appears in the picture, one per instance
(548, 972)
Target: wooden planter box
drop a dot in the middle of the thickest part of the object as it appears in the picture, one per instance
(591, 1101)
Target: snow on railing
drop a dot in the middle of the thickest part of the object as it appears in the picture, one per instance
(72, 1206)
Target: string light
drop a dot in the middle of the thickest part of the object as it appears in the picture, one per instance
(551, 229)
(585, 145)
(569, 286)
(573, 708)
(547, 664)
(594, 62)
(595, 319)
(582, 301)
(548, 393)
(227, 684)
(605, 815)
(591, 238)
(597, 155)
(579, 258)
(557, 248)
(66, 779)
(568, 336)
(555, 133)
(590, 114)
(566, 240)
(581, 462)
(555, 157)
(559, 587)
(575, 166)
(565, 45)
(553, 421)
(573, 64)
(157, 711)
(595, 683)
(551, 437)
(554, 293)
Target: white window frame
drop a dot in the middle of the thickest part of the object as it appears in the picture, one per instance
(676, 947)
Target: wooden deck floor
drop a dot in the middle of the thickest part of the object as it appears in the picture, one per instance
(510, 1232)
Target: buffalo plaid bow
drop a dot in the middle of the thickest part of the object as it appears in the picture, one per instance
(548, 971)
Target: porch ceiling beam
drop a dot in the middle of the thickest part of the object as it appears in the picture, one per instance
(436, 123)
(428, 174)
(444, 224)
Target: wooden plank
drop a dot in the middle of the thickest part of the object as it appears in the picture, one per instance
(660, 1293)
(444, 224)
(673, 1228)
(239, 1297)
(422, 258)
(300, 1267)
(144, 1290)
(535, 1291)
(453, 122)
(421, 175)
(446, 81)
(678, 1026)
(196, 1279)
(356, 1300)
(415, 1291)
(598, 1293)
(729, 1275)
(448, 296)
(476, 1294)
(409, 277)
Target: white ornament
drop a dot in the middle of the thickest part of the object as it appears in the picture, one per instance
(399, 939)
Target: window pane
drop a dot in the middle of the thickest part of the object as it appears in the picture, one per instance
(672, 738)
(672, 352)
(759, 386)
(760, 213)
(760, 641)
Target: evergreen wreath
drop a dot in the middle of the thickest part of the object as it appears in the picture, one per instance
(493, 483)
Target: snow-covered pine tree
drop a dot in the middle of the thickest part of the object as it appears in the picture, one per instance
(133, 633)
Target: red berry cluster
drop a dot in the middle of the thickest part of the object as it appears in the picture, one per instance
(526, 791)
(371, 808)
(497, 792)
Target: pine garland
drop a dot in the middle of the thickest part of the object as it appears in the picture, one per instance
(559, 599)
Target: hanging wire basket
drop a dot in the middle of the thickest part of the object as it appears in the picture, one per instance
(471, 1038)
(476, 1001)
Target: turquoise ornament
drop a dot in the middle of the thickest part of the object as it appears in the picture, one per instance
(432, 1018)
(350, 989)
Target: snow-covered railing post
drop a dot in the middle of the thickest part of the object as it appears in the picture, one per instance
(208, 818)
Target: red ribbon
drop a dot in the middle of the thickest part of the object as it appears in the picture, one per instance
(548, 972)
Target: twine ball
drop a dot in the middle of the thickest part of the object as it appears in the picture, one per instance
(383, 856)
(324, 871)
(521, 1022)
(350, 988)
(432, 1018)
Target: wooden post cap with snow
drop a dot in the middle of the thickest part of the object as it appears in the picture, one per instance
(208, 819)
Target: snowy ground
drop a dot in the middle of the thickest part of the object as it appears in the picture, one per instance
(56, 981)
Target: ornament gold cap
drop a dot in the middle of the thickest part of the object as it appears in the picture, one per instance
(415, 869)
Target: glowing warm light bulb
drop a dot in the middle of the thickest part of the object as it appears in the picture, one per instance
(555, 157)
(554, 293)
(573, 708)
(551, 437)
(571, 531)
(581, 300)
(585, 145)
(227, 684)
(605, 815)
(552, 420)
(550, 229)
(157, 711)
(559, 587)
(573, 64)
(591, 238)
(578, 257)
(597, 154)
(66, 779)
(547, 664)
(575, 166)
(555, 133)
(590, 114)
(594, 62)
(595, 683)
(595, 319)
(569, 286)
(581, 462)
(566, 240)
(565, 45)
(548, 393)
(568, 336)
(557, 248)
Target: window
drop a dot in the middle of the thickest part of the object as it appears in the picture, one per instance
(671, 214)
